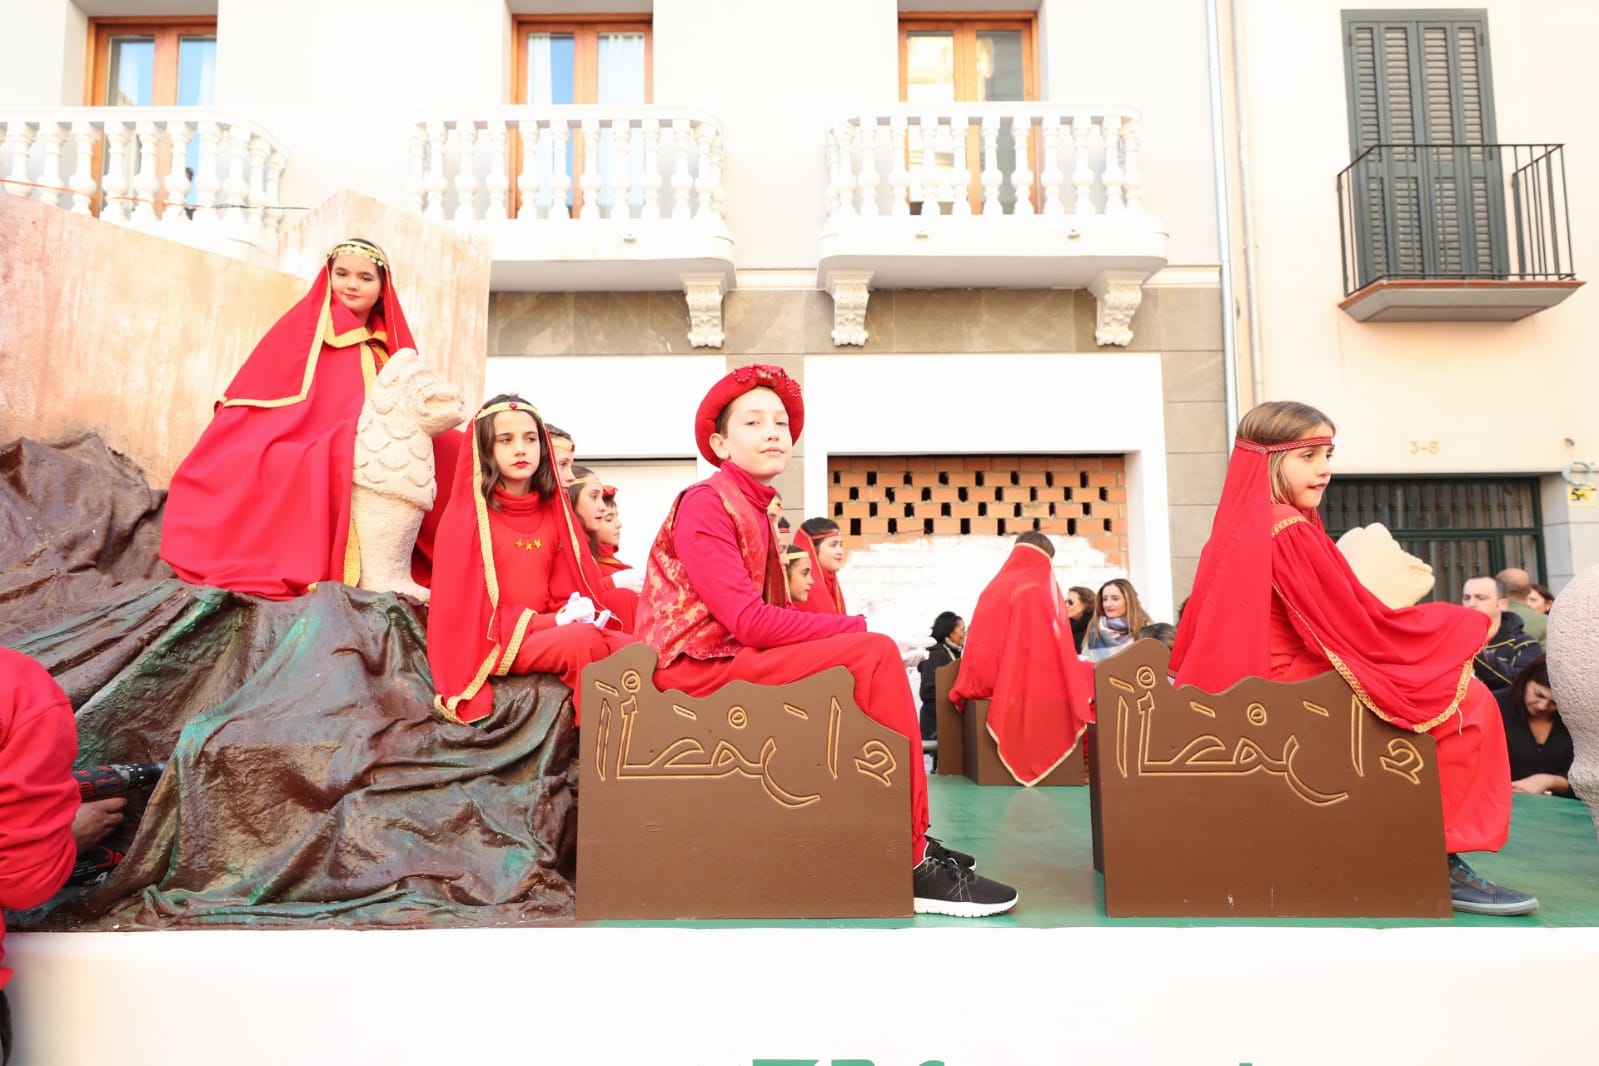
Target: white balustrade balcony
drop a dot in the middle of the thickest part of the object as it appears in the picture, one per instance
(585, 198)
(988, 195)
(194, 175)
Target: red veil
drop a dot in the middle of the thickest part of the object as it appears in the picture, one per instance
(1409, 666)
(261, 504)
(825, 596)
(475, 639)
(1021, 657)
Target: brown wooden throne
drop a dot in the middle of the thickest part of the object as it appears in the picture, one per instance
(965, 746)
(1264, 800)
(755, 802)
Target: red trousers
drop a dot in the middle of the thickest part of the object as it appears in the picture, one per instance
(881, 691)
(1474, 774)
(565, 651)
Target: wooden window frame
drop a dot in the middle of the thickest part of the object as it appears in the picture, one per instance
(166, 30)
(964, 26)
(585, 30)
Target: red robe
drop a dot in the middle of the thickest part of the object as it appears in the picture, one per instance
(261, 504)
(714, 609)
(825, 596)
(1020, 657)
(38, 796)
(1274, 598)
(493, 611)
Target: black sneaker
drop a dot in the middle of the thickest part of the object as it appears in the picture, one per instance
(941, 885)
(1475, 895)
(936, 846)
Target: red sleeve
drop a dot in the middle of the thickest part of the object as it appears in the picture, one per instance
(707, 544)
(38, 796)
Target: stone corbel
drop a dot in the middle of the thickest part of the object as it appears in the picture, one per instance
(1118, 294)
(704, 293)
(850, 289)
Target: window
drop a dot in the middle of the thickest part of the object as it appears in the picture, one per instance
(946, 60)
(1462, 527)
(153, 63)
(169, 62)
(595, 60)
(1428, 190)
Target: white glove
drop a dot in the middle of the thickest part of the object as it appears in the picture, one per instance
(632, 580)
(579, 608)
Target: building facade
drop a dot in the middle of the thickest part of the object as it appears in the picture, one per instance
(986, 237)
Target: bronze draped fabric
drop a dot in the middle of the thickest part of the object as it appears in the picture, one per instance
(308, 780)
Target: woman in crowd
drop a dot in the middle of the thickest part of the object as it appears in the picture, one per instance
(1539, 744)
(1116, 622)
(1080, 604)
(949, 638)
(1540, 598)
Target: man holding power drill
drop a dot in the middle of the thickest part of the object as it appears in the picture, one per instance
(43, 822)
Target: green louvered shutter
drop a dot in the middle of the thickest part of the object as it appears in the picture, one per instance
(1421, 78)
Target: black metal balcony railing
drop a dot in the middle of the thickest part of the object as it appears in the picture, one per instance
(1447, 211)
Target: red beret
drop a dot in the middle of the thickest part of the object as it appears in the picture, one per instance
(736, 384)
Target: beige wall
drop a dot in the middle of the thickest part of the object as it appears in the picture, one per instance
(1495, 396)
(136, 336)
(1040, 385)
(43, 44)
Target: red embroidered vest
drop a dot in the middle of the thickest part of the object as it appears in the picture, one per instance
(673, 618)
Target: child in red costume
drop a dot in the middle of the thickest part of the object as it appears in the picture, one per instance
(38, 796)
(824, 542)
(1020, 656)
(1274, 598)
(516, 590)
(261, 504)
(715, 599)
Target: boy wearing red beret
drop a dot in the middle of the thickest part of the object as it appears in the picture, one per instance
(715, 600)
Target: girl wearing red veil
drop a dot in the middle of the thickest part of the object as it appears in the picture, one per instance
(516, 589)
(823, 541)
(1274, 598)
(262, 503)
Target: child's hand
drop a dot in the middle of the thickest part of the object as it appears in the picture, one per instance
(579, 608)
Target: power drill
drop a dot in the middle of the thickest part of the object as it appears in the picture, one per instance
(115, 779)
(103, 782)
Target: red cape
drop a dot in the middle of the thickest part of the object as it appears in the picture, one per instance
(1409, 666)
(1020, 656)
(262, 503)
(477, 630)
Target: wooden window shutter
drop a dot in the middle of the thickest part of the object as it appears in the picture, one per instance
(1424, 211)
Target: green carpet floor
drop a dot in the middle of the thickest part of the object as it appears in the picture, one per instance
(1038, 840)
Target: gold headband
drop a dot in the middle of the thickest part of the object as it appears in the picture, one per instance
(557, 441)
(592, 479)
(360, 248)
(796, 553)
(513, 405)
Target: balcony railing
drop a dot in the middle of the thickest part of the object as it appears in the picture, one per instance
(196, 175)
(964, 159)
(569, 163)
(1455, 212)
(979, 195)
(574, 198)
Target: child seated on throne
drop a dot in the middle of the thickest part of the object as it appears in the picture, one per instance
(715, 603)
